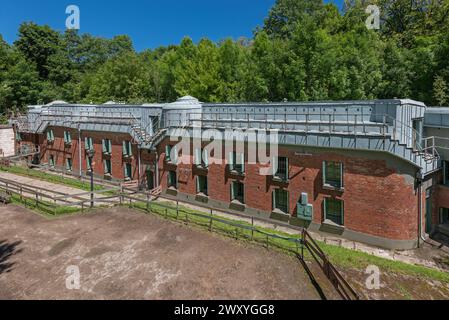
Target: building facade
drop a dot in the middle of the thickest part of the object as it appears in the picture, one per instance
(364, 170)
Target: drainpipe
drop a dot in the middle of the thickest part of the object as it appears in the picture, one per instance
(420, 211)
(79, 151)
(139, 151)
(157, 170)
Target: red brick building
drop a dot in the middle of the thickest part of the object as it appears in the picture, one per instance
(356, 169)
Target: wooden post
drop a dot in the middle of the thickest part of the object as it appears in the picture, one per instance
(177, 210)
(267, 243)
(148, 202)
(82, 206)
(210, 223)
(37, 200)
(166, 213)
(252, 229)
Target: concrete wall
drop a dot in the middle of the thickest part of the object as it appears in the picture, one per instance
(7, 142)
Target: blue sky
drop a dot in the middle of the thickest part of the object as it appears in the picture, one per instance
(150, 23)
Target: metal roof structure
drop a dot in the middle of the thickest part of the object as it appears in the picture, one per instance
(391, 126)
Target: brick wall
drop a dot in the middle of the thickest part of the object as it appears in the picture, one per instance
(378, 201)
(61, 152)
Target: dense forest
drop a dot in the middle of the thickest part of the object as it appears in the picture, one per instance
(305, 50)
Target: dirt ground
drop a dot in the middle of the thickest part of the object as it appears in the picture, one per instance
(122, 254)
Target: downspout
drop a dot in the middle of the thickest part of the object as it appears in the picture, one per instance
(79, 151)
(139, 151)
(157, 169)
(420, 211)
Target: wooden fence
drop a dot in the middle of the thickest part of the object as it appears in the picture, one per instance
(55, 202)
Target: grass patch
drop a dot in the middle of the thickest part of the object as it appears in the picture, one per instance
(83, 185)
(43, 207)
(339, 256)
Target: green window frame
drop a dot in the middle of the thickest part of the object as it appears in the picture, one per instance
(127, 148)
(51, 161)
(89, 163)
(172, 181)
(88, 143)
(202, 185)
(128, 171)
(237, 162)
(67, 137)
(50, 135)
(238, 192)
(18, 136)
(333, 173)
(281, 200)
(281, 168)
(171, 154)
(201, 158)
(107, 167)
(334, 211)
(68, 164)
(107, 146)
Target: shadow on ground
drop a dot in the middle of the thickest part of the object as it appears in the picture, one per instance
(7, 250)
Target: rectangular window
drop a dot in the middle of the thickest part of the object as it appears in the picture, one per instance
(171, 154)
(18, 136)
(128, 171)
(280, 165)
(201, 185)
(334, 211)
(67, 138)
(51, 161)
(50, 136)
(88, 143)
(68, 164)
(280, 200)
(89, 163)
(238, 192)
(201, 158)
(333, 174)
(107, 146)
(127, 149)
(237, 162)
(172, 179)
(107, 167)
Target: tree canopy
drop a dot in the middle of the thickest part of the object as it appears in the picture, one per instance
(306, 50)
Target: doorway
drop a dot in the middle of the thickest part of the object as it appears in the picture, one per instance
(150, 180)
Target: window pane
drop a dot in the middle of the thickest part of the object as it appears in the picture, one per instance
(202, 184)
(238, 191)
(282, 168)
(333, 174)
(334, 211)
(281, 200)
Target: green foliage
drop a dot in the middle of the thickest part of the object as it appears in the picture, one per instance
(306, 50)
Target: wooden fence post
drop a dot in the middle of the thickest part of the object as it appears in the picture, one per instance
(252, 229)
(267, 243)
(177, 210)
(210, 223)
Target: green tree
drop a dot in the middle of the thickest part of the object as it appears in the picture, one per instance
(38, 44)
